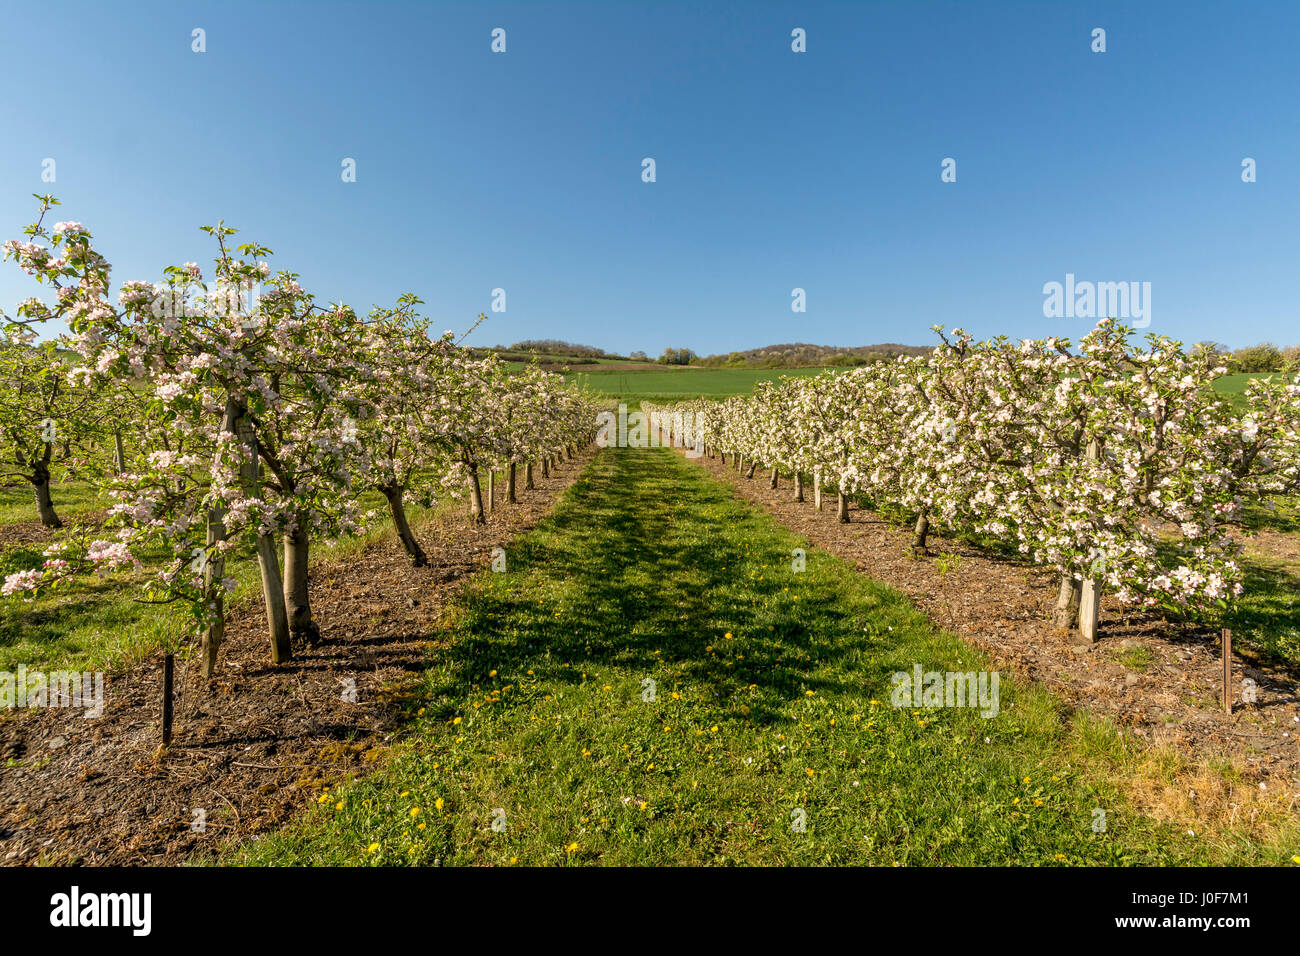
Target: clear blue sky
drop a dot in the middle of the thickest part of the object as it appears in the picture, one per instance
(775, 170)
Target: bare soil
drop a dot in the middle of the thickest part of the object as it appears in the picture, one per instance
(259, 741)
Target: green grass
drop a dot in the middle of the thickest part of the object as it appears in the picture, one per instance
(676, 383)
(1266, 620)
(18, 503)
(772, 696)
(1234, 386)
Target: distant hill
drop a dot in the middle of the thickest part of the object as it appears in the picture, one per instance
(796, 354)
(555, 354)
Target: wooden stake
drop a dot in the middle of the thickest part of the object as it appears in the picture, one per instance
(1227, 671)
(168, 676)
(1090, 591)
(1089, 610)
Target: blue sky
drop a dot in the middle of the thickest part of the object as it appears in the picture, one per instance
(775, 170)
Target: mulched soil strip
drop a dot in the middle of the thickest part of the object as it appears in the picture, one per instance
(256, 744)
(33, 534)
(1004, 607)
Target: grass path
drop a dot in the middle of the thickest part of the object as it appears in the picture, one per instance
(771, 703)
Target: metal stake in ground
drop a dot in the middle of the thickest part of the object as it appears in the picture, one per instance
(168, 669)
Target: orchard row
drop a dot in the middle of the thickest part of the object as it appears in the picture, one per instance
(1114, 462)
(253, 421)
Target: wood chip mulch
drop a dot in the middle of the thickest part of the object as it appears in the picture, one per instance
(256, 744)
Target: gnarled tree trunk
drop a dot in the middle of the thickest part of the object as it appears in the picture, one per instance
(798, 486)
(476, 515)
(40, 479)
(529, 484)
(920, 533)
(775, 476)
(511, 497)
(842, 507)
(1066, 613)
(397, 508)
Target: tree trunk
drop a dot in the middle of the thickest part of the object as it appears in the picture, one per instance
(492, 489)
(214, 568)
(297, 598)
(842, 507)
(529, 485)
(817, 488)
(511, 497)
(476, 515)
(40, 480)
(277, 615)
(749, 473)
(268, 560)
(397, 509)
(920, 533)
(214, 596)
(119, 453)
(1089, 604)
(798, 486)
(775, 476)
(546, 469)
(1066, 614)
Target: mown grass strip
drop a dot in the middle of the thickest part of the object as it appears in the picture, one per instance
(536, 742)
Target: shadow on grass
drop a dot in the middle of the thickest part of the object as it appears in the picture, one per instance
(642, 583)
